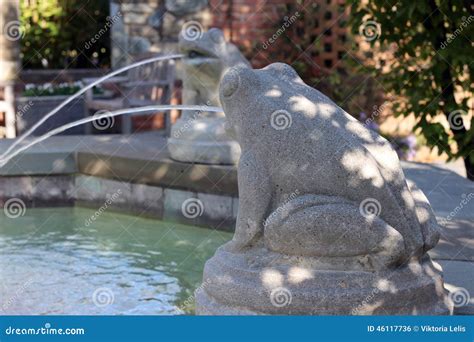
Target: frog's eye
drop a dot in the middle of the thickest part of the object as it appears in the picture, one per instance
(216, 35)
(230, 83)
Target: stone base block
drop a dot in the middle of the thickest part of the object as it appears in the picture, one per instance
(262, 282)
(204, 152)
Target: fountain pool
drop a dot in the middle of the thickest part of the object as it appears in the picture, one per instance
(58, 261)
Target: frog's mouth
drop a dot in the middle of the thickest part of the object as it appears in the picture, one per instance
(198, 56)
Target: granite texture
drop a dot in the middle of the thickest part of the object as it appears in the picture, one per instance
(203, 137)
(325, 216)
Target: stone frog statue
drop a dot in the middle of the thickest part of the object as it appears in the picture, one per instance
(205, 61)
(315, 182)
(327, 224)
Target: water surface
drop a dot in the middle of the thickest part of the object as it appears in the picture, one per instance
(52, 261)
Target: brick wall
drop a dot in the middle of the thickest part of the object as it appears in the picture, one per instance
(259, 28)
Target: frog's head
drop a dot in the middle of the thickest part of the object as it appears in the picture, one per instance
(249, 97)
(211, 49)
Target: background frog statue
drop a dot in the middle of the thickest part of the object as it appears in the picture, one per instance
(327, 223)
(203, 137)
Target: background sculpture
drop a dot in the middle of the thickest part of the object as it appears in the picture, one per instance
(202, 137)
(327, 223)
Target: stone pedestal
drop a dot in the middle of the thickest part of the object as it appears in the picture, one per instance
(259, 282)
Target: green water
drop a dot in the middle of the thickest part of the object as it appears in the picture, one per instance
(53, 262)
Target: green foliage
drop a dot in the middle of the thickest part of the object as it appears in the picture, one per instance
(432, 58)
(55, 33)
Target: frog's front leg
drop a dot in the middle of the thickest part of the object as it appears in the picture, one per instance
(254, 201)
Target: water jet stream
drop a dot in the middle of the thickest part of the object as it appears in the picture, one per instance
(5, 157)
(82, 91)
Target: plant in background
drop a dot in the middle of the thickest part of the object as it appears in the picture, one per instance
(50, 89)
(55, 33)
(431, 68)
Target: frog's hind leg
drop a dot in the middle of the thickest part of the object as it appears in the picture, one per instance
(332, 227)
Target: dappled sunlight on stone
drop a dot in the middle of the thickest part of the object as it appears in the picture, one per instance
(385, 285)
(299, 274)
(272, 278)
(161, 171)
(301, 104)
(361, 172)
(273, 93)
